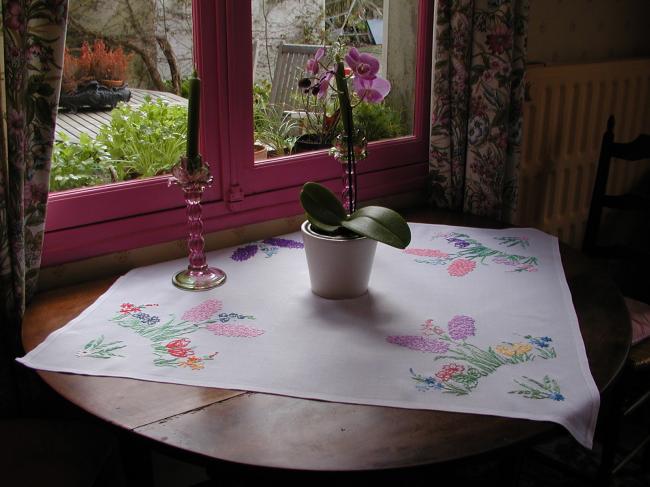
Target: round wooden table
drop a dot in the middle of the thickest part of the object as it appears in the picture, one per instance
(291, 433)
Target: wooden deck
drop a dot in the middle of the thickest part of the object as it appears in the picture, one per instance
(89, 122)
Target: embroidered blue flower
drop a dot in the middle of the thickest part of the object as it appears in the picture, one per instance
(556, 396)
(146, 318)
(269, 251)
(284, 242)
(540, 342)
(226, 317)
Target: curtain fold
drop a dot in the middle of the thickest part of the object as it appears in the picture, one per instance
(32, 45)
(477, 97)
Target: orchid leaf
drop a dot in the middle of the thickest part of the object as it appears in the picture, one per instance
(323, 208)
(326, 213)
(381, 224)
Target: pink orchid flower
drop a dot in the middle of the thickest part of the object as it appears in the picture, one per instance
(324, 85)
(371, 90)
(363, 65)
(313, 65)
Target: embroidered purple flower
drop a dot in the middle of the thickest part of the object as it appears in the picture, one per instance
(284, 242)
(458, 243)
(460, 327)
(371, 90)
(202, 311)
(244, 253)
(313, 64)
(419, 343)
(363, 65)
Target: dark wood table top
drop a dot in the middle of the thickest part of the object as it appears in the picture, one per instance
(286, 432)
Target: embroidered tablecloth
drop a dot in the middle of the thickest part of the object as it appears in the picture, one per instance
(468, 320)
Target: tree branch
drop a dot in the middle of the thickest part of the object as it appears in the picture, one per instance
(167, 50)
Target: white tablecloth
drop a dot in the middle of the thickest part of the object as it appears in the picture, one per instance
(467, 320)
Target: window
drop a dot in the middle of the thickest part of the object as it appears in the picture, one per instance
(92, 221)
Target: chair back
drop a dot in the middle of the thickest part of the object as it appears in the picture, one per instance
(289, 68)
(636, 150)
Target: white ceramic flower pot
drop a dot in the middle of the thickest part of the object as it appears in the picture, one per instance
(339, 267)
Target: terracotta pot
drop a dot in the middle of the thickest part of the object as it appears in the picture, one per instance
(339, 267)
(112, 83)
(260, 152)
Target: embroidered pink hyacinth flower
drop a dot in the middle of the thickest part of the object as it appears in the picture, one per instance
(427, 253)
(419, 343)
(234, 330)
(202, 311)
(461, 267)
(363, 65)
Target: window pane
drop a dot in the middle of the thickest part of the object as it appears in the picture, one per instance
(122, 112)
(286, 34)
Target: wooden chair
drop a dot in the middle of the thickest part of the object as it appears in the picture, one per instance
(289, 68)
(632, 393)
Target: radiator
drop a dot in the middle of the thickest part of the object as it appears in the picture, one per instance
(565, 116)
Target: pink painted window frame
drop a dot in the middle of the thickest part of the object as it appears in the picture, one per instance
(88, 222)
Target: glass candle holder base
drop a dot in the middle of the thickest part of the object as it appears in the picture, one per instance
(199, 280)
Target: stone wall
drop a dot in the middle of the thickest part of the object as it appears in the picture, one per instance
(283, 21)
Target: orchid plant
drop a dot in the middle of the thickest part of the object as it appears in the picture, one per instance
(358, 71)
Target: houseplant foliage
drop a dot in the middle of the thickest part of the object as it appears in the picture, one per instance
(340, 240)
(326, 213)
(355, 81)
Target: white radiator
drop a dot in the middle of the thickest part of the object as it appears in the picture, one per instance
(565, 116)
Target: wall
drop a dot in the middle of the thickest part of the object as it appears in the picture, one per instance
(282, 21)
(579, 31)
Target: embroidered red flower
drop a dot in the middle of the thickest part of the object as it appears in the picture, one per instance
(126, 308)
(178, 348)
(449, 371)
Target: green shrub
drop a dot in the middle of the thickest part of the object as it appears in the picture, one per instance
(138, 142)
(75, 165)
(378, 121)
(146, 140)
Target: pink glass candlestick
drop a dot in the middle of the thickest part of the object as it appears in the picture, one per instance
(198, 276)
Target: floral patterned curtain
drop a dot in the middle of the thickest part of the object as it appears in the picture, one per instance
(478, 89)
(31, 56)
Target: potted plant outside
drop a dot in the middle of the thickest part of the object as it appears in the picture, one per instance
(340, 240)
(95, 79)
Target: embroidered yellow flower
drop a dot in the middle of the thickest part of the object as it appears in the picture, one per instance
(506, 350)
(514, 349)
(522, 348)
